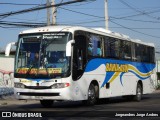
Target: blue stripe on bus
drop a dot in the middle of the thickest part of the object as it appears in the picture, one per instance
(143, 68)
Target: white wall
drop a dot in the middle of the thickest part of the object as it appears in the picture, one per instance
(6, 64)
(6, 75)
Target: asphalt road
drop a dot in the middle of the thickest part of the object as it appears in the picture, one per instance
(149, 105)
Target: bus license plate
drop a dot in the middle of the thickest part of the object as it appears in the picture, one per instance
(38, 97)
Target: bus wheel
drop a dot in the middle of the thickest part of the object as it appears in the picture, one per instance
(91, 96)
(138, 95)
(46, 103)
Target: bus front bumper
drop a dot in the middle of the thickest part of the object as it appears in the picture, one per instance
(45, 94)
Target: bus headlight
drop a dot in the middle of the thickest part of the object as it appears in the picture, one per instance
(60, 85)
(19, 85)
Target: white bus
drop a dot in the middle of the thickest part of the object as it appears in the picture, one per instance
(72, 63)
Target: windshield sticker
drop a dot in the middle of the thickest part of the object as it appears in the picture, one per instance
(39, 71)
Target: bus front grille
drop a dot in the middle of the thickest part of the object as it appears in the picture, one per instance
(38, 87)
(39, 94)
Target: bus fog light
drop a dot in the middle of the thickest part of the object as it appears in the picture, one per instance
(60, 85)
(19, 85)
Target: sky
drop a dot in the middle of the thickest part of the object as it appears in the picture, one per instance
(139, 19)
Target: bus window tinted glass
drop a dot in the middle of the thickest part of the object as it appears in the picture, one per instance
(94, 46)
(111, 47)
(125, 50)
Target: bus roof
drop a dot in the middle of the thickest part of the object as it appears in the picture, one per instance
(100, 31)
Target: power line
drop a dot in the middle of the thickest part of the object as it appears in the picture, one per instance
(16, 4)
(81, 13)
(4, 27)
(40, 19)
(138, 8)
(21, 24)
(100, 20)
(139, 11)
(102, 8)
(33, 25)
(40, 8)
(139, 14)
(86, 22)
(135, 20)
(89, 1)
(134, 30)
(82, 23)
(109, 17)
(140, 28)
(38, 12)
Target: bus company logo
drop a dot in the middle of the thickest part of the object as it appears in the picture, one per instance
(21, 114)
(117, 67)
(6, 114)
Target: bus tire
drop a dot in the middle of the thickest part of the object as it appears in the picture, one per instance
(138, 95)
(46, 103)
(91, 96)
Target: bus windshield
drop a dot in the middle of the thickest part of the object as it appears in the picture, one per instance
(42, 56)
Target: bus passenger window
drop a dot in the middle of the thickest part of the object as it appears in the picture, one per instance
(90, 49)
(125, 50)
(94, 46)
(138, 52)
(99, 51)
(113, 45)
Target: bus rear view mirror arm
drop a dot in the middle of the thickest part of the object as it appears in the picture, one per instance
(69, 47)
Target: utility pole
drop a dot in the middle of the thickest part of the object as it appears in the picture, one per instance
(48, 13)
(106, 13)
(54, 11)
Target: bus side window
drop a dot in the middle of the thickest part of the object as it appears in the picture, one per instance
(106, 47)
(112, 47)
(138, 52)
(134, 57)
(90, 49)
(99, 51)
(151, 55)
(125, 50)
(145, 53)
(94, 46)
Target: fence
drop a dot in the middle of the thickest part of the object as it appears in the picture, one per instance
(6, 83)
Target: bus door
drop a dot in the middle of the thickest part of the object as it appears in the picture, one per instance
(79, 56)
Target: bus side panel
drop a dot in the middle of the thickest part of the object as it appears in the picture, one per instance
(119, 77)
(81, 86)
(129, 84)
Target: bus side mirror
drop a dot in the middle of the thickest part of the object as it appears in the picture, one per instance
(69, 47)
(8, 48)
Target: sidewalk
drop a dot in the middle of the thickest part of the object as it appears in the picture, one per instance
(157, 91)
(11, 100)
